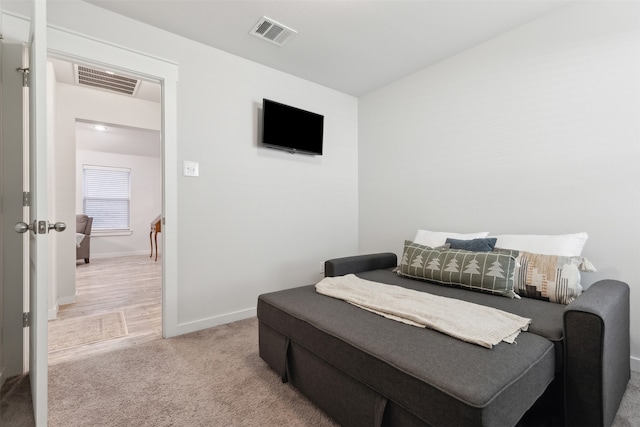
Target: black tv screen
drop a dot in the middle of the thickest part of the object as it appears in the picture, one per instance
(291, 129)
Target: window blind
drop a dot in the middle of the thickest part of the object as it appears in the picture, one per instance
(107, 197)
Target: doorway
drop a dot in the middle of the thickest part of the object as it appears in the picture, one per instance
(75, 47)
(108, 124)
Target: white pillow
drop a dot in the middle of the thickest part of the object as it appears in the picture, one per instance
(560, 245)
(438, 238)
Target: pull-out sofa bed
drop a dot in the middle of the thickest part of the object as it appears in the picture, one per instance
(570, 367)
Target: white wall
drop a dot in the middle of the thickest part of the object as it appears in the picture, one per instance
(146, 201)
(255, 220)
(72, 103)
(535, 131)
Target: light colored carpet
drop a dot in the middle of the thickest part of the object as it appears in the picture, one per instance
(208, 378)
(629, 411)
(76, 331)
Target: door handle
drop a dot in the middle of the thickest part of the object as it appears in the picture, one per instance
(58, 226)
(23, 227)
(42, 227)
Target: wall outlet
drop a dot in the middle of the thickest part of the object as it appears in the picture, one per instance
(322, 268)
(190, 168)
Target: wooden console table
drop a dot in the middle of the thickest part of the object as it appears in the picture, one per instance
(156, 226)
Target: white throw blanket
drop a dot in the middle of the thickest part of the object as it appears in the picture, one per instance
(474, 323)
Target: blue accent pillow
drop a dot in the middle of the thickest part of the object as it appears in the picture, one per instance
(474, 245)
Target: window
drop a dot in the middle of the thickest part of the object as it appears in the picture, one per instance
(106, 196)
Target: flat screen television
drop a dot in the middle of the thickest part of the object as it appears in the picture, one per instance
(291, 129)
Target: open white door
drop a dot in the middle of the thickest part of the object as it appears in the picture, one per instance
(36, 254)
(38, 248)
(25, 348)
(38, 227)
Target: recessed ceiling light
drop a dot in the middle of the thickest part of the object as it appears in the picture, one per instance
(100, 128)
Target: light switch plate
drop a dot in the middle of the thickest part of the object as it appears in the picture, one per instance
(190, 168)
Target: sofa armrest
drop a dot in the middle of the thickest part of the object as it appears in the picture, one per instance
(87, 229)
(359, 263)
(597, 354)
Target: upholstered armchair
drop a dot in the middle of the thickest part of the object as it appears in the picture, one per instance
(83, 237)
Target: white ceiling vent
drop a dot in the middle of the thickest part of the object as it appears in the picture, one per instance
(269, 30)
(105, 80)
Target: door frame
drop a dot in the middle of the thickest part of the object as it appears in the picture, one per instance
(67, 45)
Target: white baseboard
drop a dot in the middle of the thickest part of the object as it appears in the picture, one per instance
(53, 312)
(635, 364)
(120, 254)
(67, 300)
(185, 328)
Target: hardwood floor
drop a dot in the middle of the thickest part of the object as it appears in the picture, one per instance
(132, 285)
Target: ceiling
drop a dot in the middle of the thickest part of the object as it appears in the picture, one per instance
(118, 139)
(353, 46)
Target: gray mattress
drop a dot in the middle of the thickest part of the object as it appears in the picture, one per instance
(440, 380)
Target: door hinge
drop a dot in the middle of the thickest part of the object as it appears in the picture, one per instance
(25, 76)
(26, 198)
(26, 320)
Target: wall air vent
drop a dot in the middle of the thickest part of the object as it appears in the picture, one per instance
(269, 30)
(105, 80)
